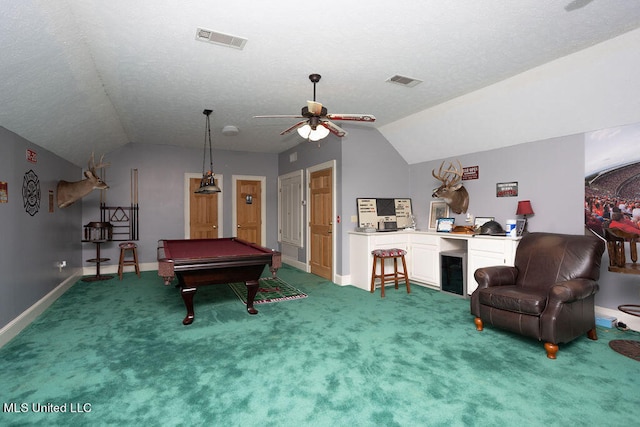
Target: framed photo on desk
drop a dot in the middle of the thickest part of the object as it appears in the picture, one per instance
(445, 225)
(438, 209)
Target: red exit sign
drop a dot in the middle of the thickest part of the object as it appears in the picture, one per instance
(470, 172)
(32, 156)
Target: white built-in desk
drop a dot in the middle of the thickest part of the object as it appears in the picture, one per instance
(423, 254)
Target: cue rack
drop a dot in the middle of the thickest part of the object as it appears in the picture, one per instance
(123, 218)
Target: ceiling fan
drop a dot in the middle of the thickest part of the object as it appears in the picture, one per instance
(317, 122)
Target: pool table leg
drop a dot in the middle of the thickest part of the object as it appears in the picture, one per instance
(187, 297)
(252, 290)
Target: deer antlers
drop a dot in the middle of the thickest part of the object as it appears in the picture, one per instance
(92, 164)
(451, 177)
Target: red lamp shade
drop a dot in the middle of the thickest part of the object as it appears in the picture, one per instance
(524, 208)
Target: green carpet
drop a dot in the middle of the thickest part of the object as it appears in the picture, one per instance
(272, 289)
(341, 357)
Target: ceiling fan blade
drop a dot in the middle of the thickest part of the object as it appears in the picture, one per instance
(353, 117)
(314, 107)
(294, 127)
(333, 128)
(279, 116)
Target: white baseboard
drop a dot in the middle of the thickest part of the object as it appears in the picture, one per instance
(294, 263)
(13, 328)
(113, 268)
(632, 322)
(343, 280)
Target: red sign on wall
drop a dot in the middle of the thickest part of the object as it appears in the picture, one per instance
(470, 172)
(32, 156)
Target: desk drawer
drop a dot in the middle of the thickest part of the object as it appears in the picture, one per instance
(486, 245)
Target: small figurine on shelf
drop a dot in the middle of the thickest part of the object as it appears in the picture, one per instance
(412, 223)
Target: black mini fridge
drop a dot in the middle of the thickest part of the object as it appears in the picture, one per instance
(453, 272)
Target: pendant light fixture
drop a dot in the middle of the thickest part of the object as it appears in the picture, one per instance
(208, 182)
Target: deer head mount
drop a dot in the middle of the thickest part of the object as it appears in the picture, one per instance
(70, 192)
(451, 191)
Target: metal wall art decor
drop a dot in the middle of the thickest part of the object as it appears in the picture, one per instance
(31, 192)
(506, 189)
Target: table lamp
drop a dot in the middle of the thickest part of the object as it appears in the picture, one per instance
(524, 208)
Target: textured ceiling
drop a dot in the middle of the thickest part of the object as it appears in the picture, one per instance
(86, 75)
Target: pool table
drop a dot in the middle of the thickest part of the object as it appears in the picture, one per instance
(201, 262)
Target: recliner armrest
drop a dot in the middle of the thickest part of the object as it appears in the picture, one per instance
(572, 290)
(499, 275)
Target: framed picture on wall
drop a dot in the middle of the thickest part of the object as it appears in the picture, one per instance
(438, 209)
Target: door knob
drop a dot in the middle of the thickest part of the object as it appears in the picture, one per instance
(238, 225)
(215, 226)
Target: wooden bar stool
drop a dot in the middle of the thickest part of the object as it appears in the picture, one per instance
(382, 254)
(124, 247)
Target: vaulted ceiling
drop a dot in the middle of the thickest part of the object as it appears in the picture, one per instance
(86, 75)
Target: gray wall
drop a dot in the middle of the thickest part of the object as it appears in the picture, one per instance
(161, 172)
(30, 246)
(371, 168)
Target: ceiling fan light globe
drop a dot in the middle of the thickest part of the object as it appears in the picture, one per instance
(304, 131)
(318, 134)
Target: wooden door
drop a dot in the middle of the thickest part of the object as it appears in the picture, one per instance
(320, 223)
(203, 213)
(249, 210)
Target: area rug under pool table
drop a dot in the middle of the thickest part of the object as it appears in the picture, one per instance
(269, 290)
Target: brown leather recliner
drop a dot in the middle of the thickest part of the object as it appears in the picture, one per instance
(548, 295)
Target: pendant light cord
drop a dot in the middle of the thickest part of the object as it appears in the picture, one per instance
(207, 133)
(210, 145)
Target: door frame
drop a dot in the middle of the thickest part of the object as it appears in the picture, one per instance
(263, 206)
(326, 165)
(187, 203)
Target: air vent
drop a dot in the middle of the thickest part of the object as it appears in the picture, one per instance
(220, 38)
(404, 81)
